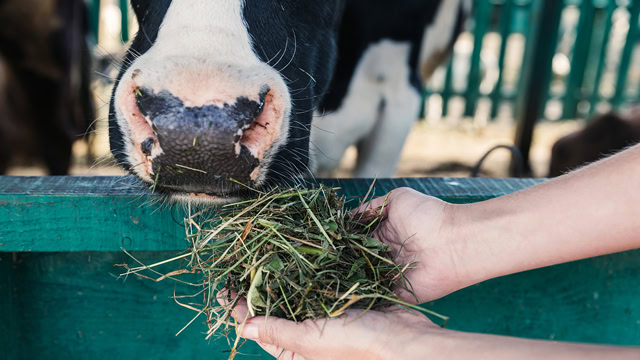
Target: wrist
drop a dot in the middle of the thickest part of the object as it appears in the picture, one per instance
(429, 342)
(477, 236)
(458, 235)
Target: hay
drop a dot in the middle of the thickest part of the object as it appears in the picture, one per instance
(296, 254)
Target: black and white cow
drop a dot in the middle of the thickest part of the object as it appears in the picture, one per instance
(218, 94)
(387, 50)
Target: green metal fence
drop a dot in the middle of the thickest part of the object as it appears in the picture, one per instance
(599, 72)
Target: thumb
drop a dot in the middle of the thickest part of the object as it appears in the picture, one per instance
(372, 209)
(282, 333)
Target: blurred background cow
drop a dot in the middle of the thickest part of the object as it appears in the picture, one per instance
(45, 70)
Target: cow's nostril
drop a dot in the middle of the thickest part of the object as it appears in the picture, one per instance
(149, 104)
(147, 146)
(197, 147)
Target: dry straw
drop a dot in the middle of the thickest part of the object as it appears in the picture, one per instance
(296, 253)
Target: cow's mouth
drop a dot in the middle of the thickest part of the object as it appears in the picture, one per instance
(207, 194)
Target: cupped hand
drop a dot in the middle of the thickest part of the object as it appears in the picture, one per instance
(419, 229)
(393, 334)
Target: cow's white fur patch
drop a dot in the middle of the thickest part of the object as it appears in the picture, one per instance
(381, 77)
(204, 55)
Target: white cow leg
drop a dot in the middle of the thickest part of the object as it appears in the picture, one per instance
(380, 151)
(329, 141)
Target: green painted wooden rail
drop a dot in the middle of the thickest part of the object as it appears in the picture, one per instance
(60, 237)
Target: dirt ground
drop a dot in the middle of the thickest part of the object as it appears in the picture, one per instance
(430, 150)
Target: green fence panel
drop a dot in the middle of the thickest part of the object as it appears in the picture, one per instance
(60, 299)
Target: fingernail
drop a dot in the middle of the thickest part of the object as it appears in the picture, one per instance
(250, 332)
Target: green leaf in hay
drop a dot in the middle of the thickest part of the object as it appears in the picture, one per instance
(330, 225)
(254, 298)
(275, 264)
(357, 270)
(374, 243)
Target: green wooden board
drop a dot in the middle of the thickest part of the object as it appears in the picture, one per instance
(110, 213)
(65, 303)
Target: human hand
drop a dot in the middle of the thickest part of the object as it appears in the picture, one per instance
(418, 228)
(392, 334)
(399, 334)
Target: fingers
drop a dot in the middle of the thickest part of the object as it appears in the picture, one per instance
(279, 353)
(381, 203)
(278, 333)
(240, 310)
(372, 208)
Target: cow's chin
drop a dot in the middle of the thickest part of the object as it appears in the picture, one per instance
(208, 198)
(205, 199)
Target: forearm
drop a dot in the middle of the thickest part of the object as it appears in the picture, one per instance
(590, 212)
(453, 345)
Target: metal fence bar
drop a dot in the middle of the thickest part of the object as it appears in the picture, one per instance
(482, 18)
(579, 59)
(447, 91)
(124, 27)
(537, 73)
(506, 16)
(623, 70)
(94, 18)
(604, 45)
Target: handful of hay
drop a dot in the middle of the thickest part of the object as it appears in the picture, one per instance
(297, 254)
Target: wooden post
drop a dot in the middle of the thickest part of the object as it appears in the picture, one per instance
(536, 74)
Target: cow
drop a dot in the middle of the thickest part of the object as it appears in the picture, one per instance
(385, 55)
(601, 137)
(45, 98)
(217, 97)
